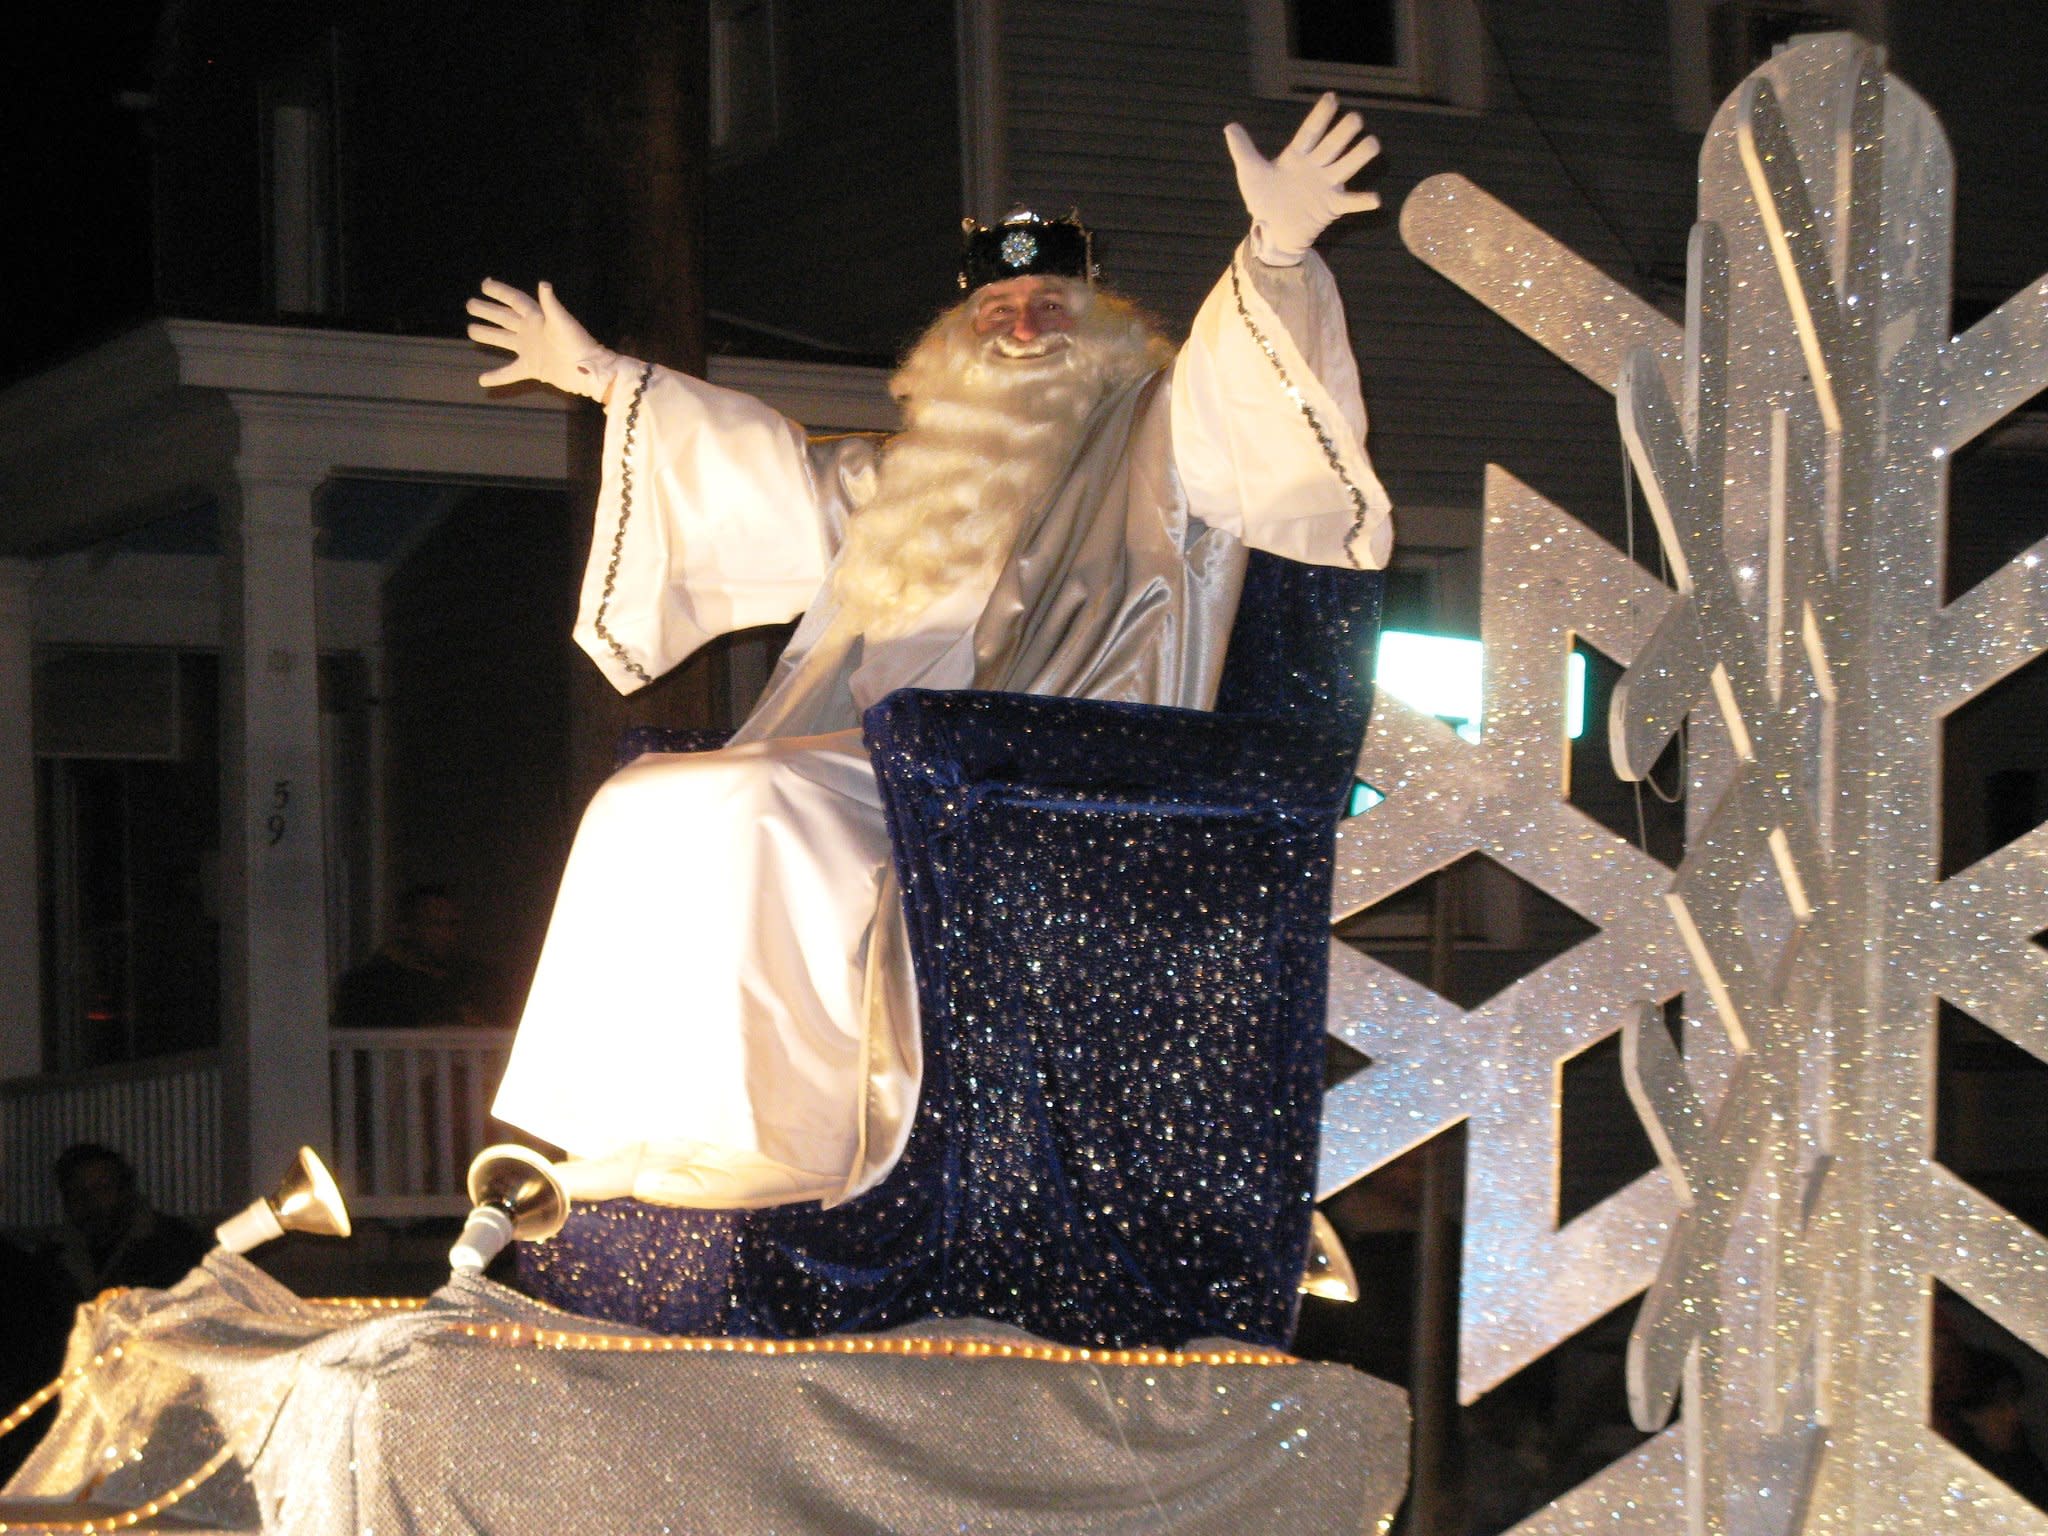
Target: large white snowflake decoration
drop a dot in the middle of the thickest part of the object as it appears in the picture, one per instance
(1792, 442)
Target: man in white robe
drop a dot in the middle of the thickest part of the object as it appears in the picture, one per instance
(723, 1015)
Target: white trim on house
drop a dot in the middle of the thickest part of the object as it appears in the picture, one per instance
(826, 397)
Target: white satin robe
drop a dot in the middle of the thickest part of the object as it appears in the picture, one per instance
(723, 1014)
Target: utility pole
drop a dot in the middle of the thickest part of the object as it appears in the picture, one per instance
(644, 120)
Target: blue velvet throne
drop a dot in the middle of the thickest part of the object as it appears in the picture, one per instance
(1119, 916)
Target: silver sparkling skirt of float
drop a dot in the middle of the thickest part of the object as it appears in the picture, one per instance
(249, 1408)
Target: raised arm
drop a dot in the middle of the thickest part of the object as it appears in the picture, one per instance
(710, 517)
(1268, 420)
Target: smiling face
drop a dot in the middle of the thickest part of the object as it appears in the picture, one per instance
(995, 396)
(1022, 318)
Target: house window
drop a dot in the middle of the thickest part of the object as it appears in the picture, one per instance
(745, 111)
(1716, 43)
(1425, 51)
(128, 797)
(1374, 34)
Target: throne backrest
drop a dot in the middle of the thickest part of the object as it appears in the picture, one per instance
(1303, 642)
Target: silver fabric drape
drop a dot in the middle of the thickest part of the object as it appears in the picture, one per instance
(344, 1420)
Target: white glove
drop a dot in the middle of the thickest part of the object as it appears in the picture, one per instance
(545, 340)
(1300, 192)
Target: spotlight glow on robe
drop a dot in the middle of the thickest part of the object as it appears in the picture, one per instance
(1442, 675)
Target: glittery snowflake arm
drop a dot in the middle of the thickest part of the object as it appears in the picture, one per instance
(1992, 369)
(1547, 584)
(1794, 240)
(1709, 648)
(1674, 671)
(1268, 423)
(1556, 297)
(1998, 364)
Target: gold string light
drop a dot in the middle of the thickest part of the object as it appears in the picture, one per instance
(519, 1335)
(76, 1374)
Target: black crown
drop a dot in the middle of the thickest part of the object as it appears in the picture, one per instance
(1024, 245)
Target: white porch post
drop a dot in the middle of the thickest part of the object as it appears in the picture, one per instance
(274, 897)
(21, 951)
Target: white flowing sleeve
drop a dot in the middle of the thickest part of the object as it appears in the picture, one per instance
(709, 520)
(1268, 421)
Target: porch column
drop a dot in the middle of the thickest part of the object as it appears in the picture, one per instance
(273, 885)
(21, 950)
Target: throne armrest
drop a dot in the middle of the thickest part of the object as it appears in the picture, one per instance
(941, 758)
(1096, 750)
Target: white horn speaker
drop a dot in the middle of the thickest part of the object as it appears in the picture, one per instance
(306, 1200)
(515, 1193)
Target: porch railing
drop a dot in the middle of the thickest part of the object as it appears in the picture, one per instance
(163, 1114)
(411, 1108)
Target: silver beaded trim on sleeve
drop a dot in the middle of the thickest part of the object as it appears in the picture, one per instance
(611, 570)
(1362, 508)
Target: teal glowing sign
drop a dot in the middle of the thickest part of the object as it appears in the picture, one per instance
(1443, 675)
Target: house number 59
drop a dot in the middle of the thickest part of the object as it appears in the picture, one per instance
(280, 802)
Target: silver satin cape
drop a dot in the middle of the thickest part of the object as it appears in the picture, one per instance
(724, 1013)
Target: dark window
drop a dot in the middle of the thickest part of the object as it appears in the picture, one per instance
(130, 829)
(1347, 32)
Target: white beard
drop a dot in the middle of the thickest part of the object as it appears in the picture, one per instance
(990, 427)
